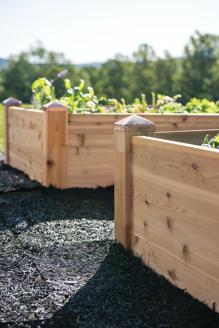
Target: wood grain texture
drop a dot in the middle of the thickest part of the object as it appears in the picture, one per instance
(6, 134)
(25, 141)
(82, 154)
(55, 146)
(89, 130)
(123, 132)
(175, 222)
(90, 167)
(182, 275)
(89, 123)
(195, 137)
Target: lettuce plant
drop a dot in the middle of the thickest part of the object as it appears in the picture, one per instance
(43, 92)
(211, 143)
(82, 99)
(202, 106)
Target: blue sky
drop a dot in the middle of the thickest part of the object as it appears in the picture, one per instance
(95, 30)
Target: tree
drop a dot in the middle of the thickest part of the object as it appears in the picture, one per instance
(144, 79)
(196, 74)
(18, 77)
(166, 72)
(114, 79)
(23, 69)
(200, 56)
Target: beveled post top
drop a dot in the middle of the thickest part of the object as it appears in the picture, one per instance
(134, 123)
(55, 106)
(11, 101)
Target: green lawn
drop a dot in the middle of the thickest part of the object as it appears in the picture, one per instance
(1, 128)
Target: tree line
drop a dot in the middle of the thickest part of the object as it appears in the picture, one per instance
(195, 74)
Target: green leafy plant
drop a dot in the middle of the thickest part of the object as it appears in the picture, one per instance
(196, 105)
(211, 143)
(43, 92)
(82, 99)
(166, 104)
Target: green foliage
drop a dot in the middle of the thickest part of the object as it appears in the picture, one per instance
(43, 92)
(211, 143)
(196, 74)
(202, 106)
(22, 70)
(79, 99)
(166, 104)
(199, 60)
(17, 78)
(82, 99)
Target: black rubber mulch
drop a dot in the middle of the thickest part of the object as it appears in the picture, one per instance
(11, 179)
(60, 266)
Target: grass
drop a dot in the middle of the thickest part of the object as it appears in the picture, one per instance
(1, 128)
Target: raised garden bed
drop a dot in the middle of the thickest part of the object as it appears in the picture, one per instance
(75, 150)
(167, 205)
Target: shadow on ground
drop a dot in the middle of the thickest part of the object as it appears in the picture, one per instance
(60, 266)
(124, 293)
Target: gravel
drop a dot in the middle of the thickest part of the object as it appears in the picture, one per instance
(60, 266)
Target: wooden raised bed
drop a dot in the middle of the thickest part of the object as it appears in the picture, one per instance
(74, 150)
(167, 206)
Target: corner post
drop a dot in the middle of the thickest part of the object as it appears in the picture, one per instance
(55, 139)
(9, 102)
(123, 132)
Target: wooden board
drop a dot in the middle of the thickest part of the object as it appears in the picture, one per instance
(195, 137)
(90, 167)
(55, 146)
(31, 154)
(175, 222)
(178, 273)
(25, 141)
(90, 123)
(96, 131)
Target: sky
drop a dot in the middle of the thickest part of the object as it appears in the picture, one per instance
(95, 30)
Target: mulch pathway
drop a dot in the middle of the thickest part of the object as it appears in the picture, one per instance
(60, 266)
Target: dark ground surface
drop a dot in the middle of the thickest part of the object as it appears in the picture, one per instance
(60, 266)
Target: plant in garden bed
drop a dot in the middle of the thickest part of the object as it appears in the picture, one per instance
(211, 143)
(202, 106)
(82, 99)
(78, 99)
(43, 92)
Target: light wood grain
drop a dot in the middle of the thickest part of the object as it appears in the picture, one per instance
(175, 223)
(195, 137)
(123, 132)
(25, 134)
(55, 146)
(163, 122)
(91, 139)
(90, 167)
(182, 275)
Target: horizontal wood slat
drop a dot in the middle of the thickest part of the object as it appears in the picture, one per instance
(85, 134)
(25, 141)
(175, 222)
(195, 137)
(163, 122)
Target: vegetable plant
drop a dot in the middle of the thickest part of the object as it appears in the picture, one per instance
(79, 99)
(211, 143)
(43, 92)
(82, 99)
(201, 106)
